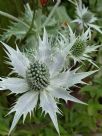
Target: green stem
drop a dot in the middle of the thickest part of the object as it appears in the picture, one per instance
(13, 18)
(51, 13)
(72, 2)
(32, 23)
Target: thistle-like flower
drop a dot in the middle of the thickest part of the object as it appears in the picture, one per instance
(79, 48)
(39, 79)
(85, 18)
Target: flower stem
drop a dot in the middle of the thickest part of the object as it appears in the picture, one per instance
(51, 13)
(32, 24)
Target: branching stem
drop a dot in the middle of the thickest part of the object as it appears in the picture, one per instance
(52, 12)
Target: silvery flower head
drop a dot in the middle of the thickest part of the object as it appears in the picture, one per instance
(85, 18)
(78, 46)
(39, 82)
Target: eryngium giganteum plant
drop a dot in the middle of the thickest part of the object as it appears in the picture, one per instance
(41, 81)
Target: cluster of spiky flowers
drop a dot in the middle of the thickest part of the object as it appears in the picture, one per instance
(78, 45)
(40, 81)
(85, 18)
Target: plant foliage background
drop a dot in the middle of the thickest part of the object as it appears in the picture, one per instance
(76, 119)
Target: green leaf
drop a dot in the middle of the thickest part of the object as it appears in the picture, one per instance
(61, 15)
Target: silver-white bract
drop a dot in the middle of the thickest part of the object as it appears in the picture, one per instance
(70, 41)
(59, 82)
(85, 18)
